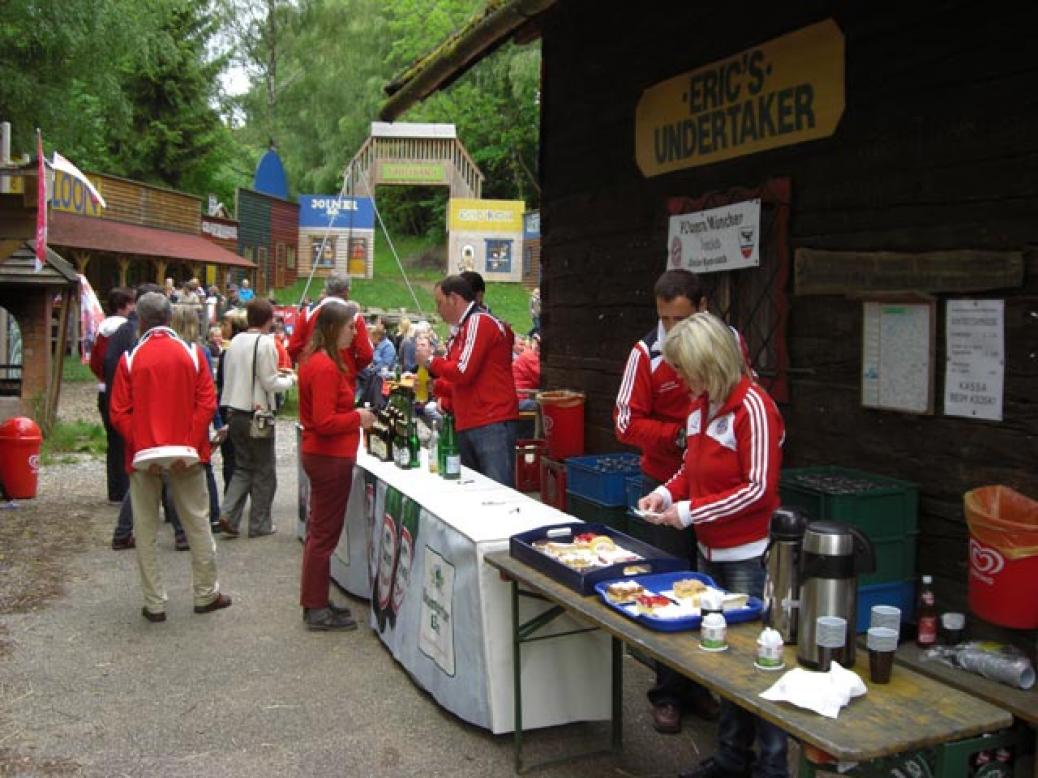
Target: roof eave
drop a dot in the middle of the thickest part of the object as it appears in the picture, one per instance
(454, 56)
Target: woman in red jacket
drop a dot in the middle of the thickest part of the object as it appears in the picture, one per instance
(331, 433)
(727, 488)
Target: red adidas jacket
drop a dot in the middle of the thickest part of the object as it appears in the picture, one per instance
(730, 474)
(478, 367)
(331, 425)
(357, 356)
(163, 395)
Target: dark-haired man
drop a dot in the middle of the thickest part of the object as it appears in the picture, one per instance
(120, 306)
(336, 292)
(479, 287)
(651, 409)
(478, 370)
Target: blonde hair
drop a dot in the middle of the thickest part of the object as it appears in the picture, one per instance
(185, 322)
(705, 351)
(403, 328)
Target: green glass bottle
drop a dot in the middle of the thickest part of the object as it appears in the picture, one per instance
(414, 447)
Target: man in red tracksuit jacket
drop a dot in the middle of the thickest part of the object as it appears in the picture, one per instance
(162, 402)
(120, 306)
(651, 408)
(336, 291)
(478, 369)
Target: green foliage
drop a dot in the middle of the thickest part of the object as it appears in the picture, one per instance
(73, 437)
(74, 371)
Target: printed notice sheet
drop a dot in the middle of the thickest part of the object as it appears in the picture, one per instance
(975, 367)
(897, 364)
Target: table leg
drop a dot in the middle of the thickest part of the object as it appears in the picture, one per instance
(618, 695)
(517, 680)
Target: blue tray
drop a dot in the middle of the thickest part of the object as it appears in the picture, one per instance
(660, 582)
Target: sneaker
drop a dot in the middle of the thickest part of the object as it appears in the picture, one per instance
(153, 617)
(340, 609)
(120, 544)
(325, 619)
(180, 543)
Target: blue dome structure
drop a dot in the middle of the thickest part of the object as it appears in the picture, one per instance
(270, 175)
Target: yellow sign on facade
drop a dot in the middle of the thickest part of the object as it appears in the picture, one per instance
(467, 215)
(70, 195)
(786, 91)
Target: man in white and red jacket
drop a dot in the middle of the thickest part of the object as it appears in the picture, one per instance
(120, 306)
(162, 402)
(478, 370)
(336, 292)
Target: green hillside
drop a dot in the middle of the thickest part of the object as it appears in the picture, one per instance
(387, 289)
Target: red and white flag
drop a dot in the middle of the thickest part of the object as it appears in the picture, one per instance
(65, 166)
(41, 204)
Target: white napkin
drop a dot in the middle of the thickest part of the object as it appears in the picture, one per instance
(824, 693)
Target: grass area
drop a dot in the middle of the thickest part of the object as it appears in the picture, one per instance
(73, 437)
(510, 302)
(75, 372)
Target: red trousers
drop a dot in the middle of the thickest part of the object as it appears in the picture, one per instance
(330, 482)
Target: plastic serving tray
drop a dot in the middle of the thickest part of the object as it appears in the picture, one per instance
(664, 582)
(583, 582)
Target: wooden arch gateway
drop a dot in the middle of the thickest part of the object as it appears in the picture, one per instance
(410, 154)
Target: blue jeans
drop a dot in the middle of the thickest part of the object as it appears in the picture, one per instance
(490, 450)
(738, 728)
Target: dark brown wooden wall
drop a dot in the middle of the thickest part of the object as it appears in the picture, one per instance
(937, 149)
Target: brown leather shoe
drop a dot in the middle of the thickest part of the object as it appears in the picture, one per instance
(221, 601)
(666, 718)
(227, 529)
(153, 617)
(704, 706)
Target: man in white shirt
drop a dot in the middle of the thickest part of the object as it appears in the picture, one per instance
(251, 379)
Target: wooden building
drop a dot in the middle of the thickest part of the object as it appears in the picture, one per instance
(268, 234)
(145, 233)
(531, 248)
(895, 157)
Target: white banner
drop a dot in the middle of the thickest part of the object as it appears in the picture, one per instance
(725, 238)
(976, 358)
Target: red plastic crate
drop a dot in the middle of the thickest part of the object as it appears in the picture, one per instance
(553, 483)
(528, 455)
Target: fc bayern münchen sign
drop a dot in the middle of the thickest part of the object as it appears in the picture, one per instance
(725, 238)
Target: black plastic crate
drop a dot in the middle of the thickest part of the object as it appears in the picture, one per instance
(653, 561)
(591, 511)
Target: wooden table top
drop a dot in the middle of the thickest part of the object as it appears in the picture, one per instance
(1022, 704)
(910, 713)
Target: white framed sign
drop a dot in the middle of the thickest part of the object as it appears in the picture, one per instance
(975, 364)
(897, 356)
(725, 238)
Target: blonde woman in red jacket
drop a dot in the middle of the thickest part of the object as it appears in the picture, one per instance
(727, 488)
(331, 433)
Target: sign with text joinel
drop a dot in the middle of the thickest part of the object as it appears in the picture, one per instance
(785, 91)
(725, 238)
(337, 213)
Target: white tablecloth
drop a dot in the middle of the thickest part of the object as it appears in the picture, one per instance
(453, 631)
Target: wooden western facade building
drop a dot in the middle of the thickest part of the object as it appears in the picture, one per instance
(894, 160)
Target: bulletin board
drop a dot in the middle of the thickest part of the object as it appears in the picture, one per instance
(898, 355)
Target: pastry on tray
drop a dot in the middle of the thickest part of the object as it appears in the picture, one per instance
(648, 604)
(689, 589)
(624, 591)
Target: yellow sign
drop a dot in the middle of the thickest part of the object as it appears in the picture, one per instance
(786, 91)
(466, 215)
(70, 195)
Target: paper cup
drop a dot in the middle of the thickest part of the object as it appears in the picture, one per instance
(886, 616)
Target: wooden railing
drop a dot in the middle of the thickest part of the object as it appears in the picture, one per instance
(464, 176)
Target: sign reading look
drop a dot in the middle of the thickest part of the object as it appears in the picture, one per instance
(786, 91)
(725, 238)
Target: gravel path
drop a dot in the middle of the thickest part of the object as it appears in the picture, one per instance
(88, 687)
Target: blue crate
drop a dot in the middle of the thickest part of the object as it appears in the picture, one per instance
(900, 594)
(635, 486)
(601, 477)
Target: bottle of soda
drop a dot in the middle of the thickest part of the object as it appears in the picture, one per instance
(405, 556)
(926, 614)
(449, 444)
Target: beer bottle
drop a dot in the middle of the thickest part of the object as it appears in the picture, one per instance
(408, 536)
(926, 614)
(413, 445)
(382, 587)
(403, 458)
(451, 457)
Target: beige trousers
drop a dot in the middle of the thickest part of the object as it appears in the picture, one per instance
(191, 498)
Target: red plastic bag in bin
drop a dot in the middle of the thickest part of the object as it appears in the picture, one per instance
(1001, 517)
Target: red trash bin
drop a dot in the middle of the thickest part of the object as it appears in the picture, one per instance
(563, 413)
(20, 441)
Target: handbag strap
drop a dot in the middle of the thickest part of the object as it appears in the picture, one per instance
(255, 351)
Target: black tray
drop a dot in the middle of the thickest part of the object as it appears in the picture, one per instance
(521, 548)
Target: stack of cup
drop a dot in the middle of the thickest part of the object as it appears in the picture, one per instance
(831, 639)
(882, 643)
(953, 626)
(886, 616)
